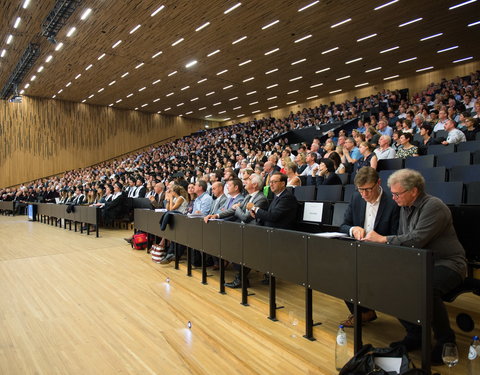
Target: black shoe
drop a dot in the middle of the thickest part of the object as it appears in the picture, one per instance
(129, 240)
(409, 343)
(237, 283)
(266, 280)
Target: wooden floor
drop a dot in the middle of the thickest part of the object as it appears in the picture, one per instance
(74, 304)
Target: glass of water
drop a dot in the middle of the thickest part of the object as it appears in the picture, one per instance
(450, 355)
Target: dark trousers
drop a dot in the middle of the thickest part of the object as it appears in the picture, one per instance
(444, 281)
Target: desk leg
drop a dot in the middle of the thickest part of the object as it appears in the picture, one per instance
(357, 329)
(308, 314)
(272, 299)
(204, 268)
(189, 261)
(177, 255)
(222, 275)
(243, 275)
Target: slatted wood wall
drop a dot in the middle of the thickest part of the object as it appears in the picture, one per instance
(42, 137)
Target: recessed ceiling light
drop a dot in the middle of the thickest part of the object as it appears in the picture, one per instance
(54, 96)
(303, 38)
(308, 6)
(464, 59)
(410, 22)
(110, 105)
(68, 84)
(207, 116)
(243, 114)
(141, 89)
(91, 96)
(298, 61)
(272, 51)
(9, 39)
(252, 103)
(245, 63)
(136, 108)
(389, 49)
(232, 8)
(192, 100)
(248, 79)
(26, 86)
(33, 78)
(172, 73)
(184, 88)
(251, 93)
(407, 60)
(4, 51)
(272, 86)
(100, 90)
(25, 4)
(462, 4)
(118, 101)
(180, 104)
(157, 54)
(292, 92)
(213, 53)
(228, 87)
(430, 37)
(292, 102)
(201, 109)
(221, 72)
(60, 91)
(373, 69)
(170, 94)
(59, 46)
(385, 5)
(341, 78)
(423, 69)
(135, 28)
(89, 67)
(447, 49)
(221, 112)
(117, 44)
(157, 10)
(17, 22)
(215, 104)
(366, 37)
(101, 56)
(78, 75)
(270, 24)
(144, 105)
(312, 97)
(256, 111)
(112, 83)
(189, 112)
(210, 93)
(272, 97)
(156, 100)
(71, 31)
(295, 78)
(362, 84)
(191, 63)
(235, 108)
(40, 69)
(129, 95)
(83, 101)
(334, 91)
(234, 98)
(322, 70)
(178, 41)
(316, 85)
(473, 23)
(354, 60)
(85, 14)
(329, 50)
(391, 77)
(167, 109)
(202, 26)
(124, 74)
(239, 39)
(271, 71)
(155, 82)
(273, 107)
(341, 23)
(49, 58)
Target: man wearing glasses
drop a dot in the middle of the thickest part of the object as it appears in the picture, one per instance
(370, 210)
(426, 223)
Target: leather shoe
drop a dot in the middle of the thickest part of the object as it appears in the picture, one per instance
(367, 316)
(265, 280)
(129, 240)
(409, 343)
(236, 283)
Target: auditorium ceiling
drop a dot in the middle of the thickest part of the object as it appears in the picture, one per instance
(217, 59)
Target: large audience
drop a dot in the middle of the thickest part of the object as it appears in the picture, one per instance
(389, 125)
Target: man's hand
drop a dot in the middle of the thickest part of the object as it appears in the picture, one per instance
(358, 233)
(209, 217)
(152, 198)
(235, 206)
(250, 205)
(375, 237)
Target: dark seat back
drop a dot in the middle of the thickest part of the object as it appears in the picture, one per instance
(440, 149)
(448, 192)
(330, 193)
(304, 193)
(465, 173)
(386, 164)
(417, 162)
(454, 159)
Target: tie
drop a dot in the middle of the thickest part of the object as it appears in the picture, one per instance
(230, 201)
(267, 181)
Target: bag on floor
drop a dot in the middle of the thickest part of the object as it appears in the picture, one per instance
(158, 253)
(140, 241)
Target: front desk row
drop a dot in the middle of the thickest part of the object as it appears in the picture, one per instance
(354, 271)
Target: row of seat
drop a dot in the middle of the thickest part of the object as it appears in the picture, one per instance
(461, 173)
(439, 135)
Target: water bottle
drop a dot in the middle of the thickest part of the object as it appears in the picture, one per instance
(474, 357)
(341, 352)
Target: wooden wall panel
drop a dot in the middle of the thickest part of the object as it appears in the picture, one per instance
(42, 137)
(415, 83)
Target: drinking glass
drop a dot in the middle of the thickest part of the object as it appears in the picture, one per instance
(450, 355)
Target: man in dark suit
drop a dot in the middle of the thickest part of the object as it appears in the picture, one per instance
(370, 210)
(158, 198)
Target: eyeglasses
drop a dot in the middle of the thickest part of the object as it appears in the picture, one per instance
(396, 195)
(365, 190)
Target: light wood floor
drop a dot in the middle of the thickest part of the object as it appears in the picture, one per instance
(74, 304)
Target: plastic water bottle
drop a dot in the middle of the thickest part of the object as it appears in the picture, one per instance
(474, 357)
(341, 349)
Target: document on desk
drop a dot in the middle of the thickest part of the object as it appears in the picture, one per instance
(389, 363)
(330, 234)
(161, 210)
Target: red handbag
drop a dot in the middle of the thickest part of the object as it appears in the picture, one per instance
(140, 241)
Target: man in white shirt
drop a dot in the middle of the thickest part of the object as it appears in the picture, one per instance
(311, 164)
(454, 136)
(442, 120)
(384, 151)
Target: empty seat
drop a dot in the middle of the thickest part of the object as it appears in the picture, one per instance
(385, 164)
(384, 175)
(473, 193)
(349, 191)
(329, 193)
(304, 193)
(448, 192)
(465, 173)
(454, 159)
(441, 134)
(436, 174)
(344, 177)
(469, 146)
(476, 156)
(477, 136)
(440, 149)
(420, 162)
(303, 180)
(339, 209)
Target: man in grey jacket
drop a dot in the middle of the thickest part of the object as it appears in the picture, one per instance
(426, 223)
